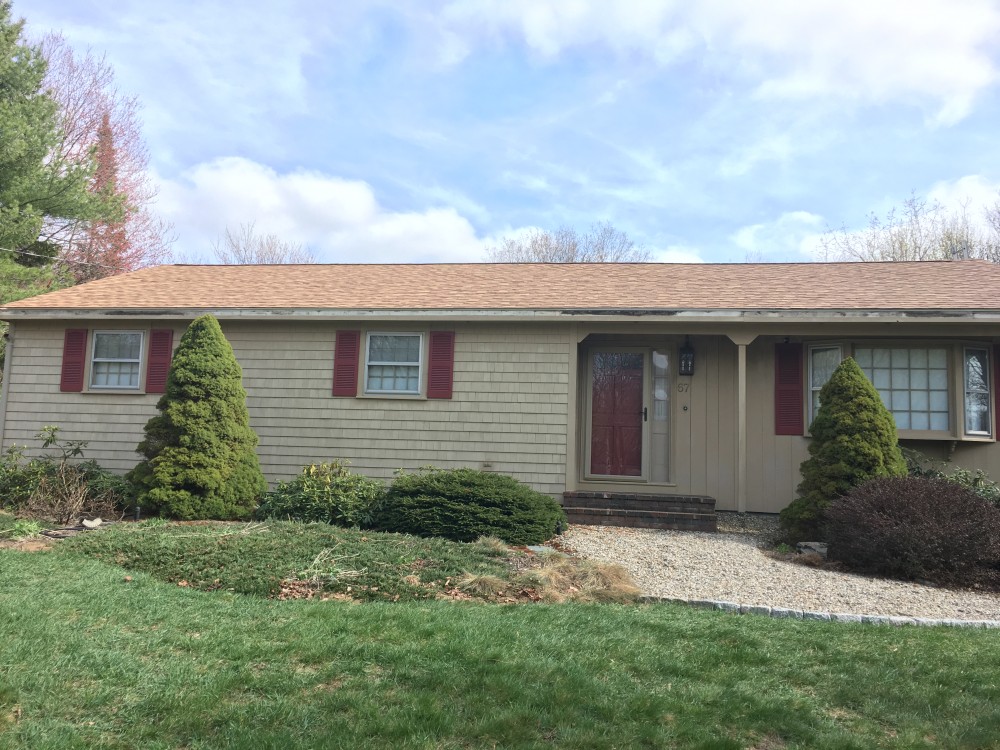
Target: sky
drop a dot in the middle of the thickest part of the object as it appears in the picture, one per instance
(426, 130)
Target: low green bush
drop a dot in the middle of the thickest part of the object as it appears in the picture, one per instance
(465, 504)
(325, 493)
(916, 528)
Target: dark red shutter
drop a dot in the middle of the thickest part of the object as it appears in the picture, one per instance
(161, 346)
(74, 360)
(788, 399)
(441, 364)
(346, 351)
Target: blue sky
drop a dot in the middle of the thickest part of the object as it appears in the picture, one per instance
(422, 131)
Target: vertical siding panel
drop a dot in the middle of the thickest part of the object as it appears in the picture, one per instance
(709, 444)
(728, 438)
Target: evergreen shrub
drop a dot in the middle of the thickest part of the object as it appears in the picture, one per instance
(325, 493)
(853, 440)
(916, 528)
(200, 460)
(466, 504)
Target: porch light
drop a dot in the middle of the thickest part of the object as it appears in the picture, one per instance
(686, 365)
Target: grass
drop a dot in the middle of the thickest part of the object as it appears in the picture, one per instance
(262, 558)
(91, 659)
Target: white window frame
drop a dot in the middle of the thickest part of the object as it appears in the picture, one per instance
(94, 359)
(810, 389)
(419, 364)
(990, 385)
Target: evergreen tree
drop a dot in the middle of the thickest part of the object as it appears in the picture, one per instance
(33, 185)
(200, 458)
(853, 440)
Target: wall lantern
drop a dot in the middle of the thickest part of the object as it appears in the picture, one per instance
(686, 366)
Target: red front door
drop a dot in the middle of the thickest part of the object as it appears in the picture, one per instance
(616, 414)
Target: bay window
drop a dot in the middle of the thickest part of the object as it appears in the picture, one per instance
(933, 390)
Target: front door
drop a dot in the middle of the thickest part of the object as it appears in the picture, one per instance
(616, 414)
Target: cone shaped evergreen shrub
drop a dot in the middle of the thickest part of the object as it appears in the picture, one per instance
(853, 440)
(200, 450)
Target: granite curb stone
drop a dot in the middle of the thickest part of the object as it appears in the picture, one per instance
(782, 612)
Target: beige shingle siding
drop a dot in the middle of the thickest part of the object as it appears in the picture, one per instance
(508, 410)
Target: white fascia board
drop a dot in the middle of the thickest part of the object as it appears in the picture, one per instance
(577, 315)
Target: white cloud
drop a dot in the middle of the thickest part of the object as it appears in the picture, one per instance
(971, 193)
(340, 220)
(791, 236)
(942, 51)
(678, 254)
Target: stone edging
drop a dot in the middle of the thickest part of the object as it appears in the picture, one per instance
(798, 614)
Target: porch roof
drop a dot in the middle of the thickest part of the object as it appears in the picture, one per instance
(599, 288)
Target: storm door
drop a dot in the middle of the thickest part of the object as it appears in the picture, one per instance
(617, 413)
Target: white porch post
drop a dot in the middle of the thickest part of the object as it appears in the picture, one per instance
(742, 340)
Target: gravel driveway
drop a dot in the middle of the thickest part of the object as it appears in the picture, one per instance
(729, 566)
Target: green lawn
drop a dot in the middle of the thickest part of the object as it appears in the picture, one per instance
(92, 660)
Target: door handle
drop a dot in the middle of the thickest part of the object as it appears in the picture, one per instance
(645, 414)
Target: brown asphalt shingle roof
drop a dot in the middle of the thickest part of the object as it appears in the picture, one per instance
(966, 285)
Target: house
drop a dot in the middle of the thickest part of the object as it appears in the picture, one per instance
(670, 384)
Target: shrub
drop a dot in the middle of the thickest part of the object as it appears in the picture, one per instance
(52, 488)
(465, 504)
(200, 450)
(916, 528)
(325, 493)
(919, 465)
(853, 440)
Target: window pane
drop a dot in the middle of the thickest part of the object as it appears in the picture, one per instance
(912, 383)
(939, 400)
(382, 348)
(863, 357)
(977, 413)
(824, 362)
(117, 345)
(975, 370)
(116, 375)
(395, 378)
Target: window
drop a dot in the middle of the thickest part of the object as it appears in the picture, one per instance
(977, 391)
(392, 363)
(823, 360)
(942, 389)
(913, 384)
(116, 360)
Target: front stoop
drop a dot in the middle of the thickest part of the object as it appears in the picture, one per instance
(681, 512)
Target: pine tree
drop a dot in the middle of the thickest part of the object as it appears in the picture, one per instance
(33, 186)
(853, 440)
(200, 458)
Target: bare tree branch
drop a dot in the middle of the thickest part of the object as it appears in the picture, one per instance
(918, 230)
(601, 244)
(245, 247)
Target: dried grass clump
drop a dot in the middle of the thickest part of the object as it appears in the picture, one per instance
(493, 544)
(485, 586)
(561, 579)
